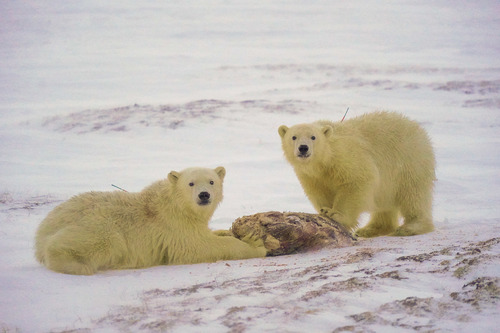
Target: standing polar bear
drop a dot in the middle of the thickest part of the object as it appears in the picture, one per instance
(166, 223)
(382, 163)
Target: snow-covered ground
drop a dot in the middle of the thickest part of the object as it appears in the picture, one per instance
(95, 93)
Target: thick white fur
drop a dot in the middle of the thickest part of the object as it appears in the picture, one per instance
(166, 223)
(382, 163)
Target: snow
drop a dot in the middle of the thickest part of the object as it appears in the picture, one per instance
(94, 94)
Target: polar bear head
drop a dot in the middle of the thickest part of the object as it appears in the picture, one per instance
(198, 188)
(305, 142)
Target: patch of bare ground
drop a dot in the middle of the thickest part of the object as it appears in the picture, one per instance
(291, 292)
(483, 93)
(490, 103)
(169, 117)
(425, 314)
(469, 87)
(9, 201)
(460, 260)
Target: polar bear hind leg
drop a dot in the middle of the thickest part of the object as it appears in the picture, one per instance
(414, 225)
(65, 259)
(417, 214)
(68, 252)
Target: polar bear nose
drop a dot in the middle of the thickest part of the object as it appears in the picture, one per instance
(204, 196)
(303, 149)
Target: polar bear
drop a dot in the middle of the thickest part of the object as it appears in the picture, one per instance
(381, 163)
(164, 224)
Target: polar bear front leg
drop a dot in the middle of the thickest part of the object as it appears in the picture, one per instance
(213, 248)
(222, 232)
(349, 223)
(250, 246)
(348, 204)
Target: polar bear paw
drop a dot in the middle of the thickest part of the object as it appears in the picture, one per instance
(330, 213)
(257, 243)
(338, 217)
(253, 240)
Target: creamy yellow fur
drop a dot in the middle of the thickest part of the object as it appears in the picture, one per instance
(166, 223)
(382, 163)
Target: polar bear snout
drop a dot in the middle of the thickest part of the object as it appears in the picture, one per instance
(303, 150)
(204, 198)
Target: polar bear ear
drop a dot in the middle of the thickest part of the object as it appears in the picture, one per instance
(173, 176)
(327, 130)
(221, 172)
(282, 130)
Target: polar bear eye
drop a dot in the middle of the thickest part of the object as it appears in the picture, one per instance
(294, 138)
(191, 184)
(313, 138)
(211, 182)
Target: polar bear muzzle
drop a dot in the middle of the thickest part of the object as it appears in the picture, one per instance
(303, 151)
(204, 198)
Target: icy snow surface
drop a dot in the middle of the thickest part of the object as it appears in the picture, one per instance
(97, 93)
